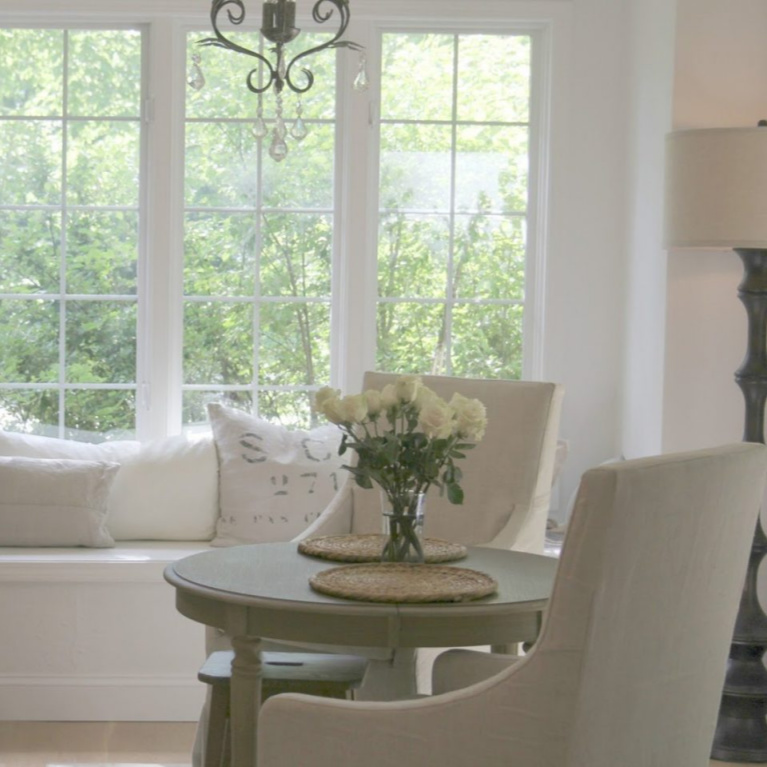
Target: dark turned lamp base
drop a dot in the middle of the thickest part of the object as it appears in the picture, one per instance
(741, 732)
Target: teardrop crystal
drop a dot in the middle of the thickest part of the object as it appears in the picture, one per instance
(259, 129)
(279, 128)
(361, 82)
(196, 79)
(278, 149)
(299, 130)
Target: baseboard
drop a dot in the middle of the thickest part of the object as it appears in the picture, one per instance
(99, 699)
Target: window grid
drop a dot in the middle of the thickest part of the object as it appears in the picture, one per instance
(442, 362)
(64, 210)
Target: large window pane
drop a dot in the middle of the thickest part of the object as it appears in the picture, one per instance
(413, 255)
(30, 247)
(296, 257)
(104, 73)
(411, 338)
(487, 341)
(491, 169)
(294, 344)
(220, 254)
(94, 178)
(30, 163)
(494, 78)
(32, 82)
(489, 260)
(101, 342)
(415, 167)
(30, 411)
(30, 340)
(102, 252)
(427, 57)
(96, 415)
(218, 343)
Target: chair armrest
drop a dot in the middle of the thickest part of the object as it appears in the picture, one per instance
(455, 669)
(336, 519)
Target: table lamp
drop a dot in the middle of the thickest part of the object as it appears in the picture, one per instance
(716, 197)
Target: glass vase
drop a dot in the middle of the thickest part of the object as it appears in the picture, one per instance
(403, 527)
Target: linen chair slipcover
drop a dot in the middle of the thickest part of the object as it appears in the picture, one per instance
(630, 663)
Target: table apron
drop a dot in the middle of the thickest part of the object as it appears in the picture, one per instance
(392, 628)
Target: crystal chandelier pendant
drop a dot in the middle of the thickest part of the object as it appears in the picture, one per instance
(299, 131)
(195, 79)
(361, 82)
(278, 149)
(259, 129)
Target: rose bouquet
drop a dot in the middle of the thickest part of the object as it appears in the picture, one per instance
(406, 439)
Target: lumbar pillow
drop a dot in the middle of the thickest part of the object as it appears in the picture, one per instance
(273, 481)
(167, 491)
(54, 502)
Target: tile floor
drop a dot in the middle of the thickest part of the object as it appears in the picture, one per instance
(104, 744)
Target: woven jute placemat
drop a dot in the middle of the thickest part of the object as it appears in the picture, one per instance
(368, 548)
(395, 582)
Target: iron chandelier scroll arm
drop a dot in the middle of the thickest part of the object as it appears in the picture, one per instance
(320, 17)
(221, 41)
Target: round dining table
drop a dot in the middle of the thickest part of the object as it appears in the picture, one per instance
(263, 591)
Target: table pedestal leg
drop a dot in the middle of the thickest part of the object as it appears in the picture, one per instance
(245, 699)
(393, 679)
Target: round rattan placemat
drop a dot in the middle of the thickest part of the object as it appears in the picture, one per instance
(395, 582)
(368, 548)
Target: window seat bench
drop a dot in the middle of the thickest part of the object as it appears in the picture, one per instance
(92, 634)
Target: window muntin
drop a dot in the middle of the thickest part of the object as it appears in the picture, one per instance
(70, 127)
(453, 200)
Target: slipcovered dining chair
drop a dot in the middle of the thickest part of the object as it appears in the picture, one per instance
(629, 666)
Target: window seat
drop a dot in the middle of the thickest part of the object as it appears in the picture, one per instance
(93, 635)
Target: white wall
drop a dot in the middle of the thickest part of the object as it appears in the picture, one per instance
(720, 81)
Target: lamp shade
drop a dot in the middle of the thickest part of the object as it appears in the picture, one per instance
(716, 188)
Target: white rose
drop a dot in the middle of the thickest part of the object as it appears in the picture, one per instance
(470, 417)
(436, 418)
(373, 400)
(331, 409)
(389, 398)
(354, 408)
(424, 396)
(407, 388)
(323, 395)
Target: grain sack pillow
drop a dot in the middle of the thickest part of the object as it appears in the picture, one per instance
(54, 502)
(273, 481)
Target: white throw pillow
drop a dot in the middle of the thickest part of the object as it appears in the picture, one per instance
(273, 481)
(54, 502)
(168, 491)
(165, 490)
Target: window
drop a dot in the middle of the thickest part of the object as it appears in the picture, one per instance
(240, 265)
(70, 128)
(454, 153)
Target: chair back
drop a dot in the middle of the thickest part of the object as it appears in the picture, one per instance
(630, 663)
(506, 477)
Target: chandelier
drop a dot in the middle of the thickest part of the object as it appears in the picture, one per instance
(278, 28)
